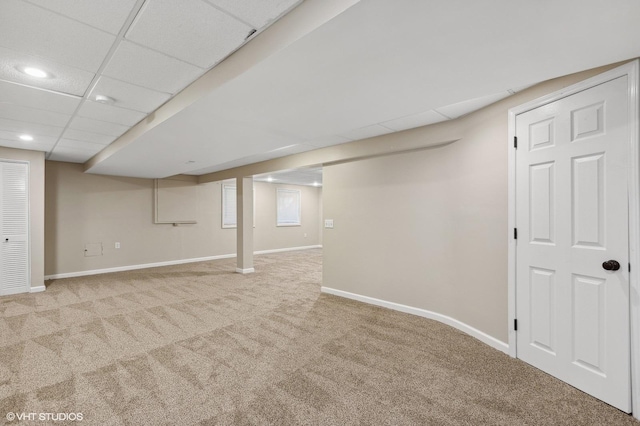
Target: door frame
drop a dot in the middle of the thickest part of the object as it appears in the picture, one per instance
(630, 69)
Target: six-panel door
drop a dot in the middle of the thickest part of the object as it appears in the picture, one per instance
(572, 215)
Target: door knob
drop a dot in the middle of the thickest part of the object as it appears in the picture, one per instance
(611, 265)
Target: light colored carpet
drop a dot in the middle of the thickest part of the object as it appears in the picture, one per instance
(200, 344)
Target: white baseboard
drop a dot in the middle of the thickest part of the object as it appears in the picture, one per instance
(280, 250)
(166, 263)
(245, 271)
(134, 267)
(483, 337)
(37, 289)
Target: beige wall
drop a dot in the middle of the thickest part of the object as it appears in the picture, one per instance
(84, 208)
(428, 229)
(267, 235)
(36, 208)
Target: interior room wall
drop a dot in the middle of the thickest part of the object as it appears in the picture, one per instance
(87, 208)
(267, 236)
(36, 209)
(428, 228)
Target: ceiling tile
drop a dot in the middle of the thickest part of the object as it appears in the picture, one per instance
(30, 128)
(32, 146)
(366, 132)
(415, 120)
(129, 96)
(255, 12)
(327, 141)
(37, 139)
(80, 145)
(146, 68)
(286, 150)
(192, 31)
(40, 116)
(293, 177)
(63, 78)
(70, 155)
(466, 107)
(106, 15)
(80, 135)
(97, 126)
(17, 94)
(110, 113)
(34, 31)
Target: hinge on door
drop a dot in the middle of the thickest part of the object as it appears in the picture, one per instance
(515, 325)
(515, 142)
(515, 233)
(629, 267)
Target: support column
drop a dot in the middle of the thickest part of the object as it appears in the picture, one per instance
(244, 230)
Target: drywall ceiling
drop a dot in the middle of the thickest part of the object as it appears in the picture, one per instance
(379, 66)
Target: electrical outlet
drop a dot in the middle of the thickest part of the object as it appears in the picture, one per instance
(117, 245)
(328, 223)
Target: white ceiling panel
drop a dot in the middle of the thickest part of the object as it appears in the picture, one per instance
(40, 116)
(63, 78)
(80, 146)
(463, 108)
(415, 120)
(367, 132)
(286, 150)
(70, 155)
(110, 113)
(38, 139)
(309, 177)
(193, 31)
(128, 95)
(80, 135)
(32, 145)
(107, 15)
(32, 30)
(256, 12)
(223, 166)
(147, 68)
(97, 126)
(324, 141)
(30, 128)
(26, 96)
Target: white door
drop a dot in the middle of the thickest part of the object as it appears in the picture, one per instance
(571, 218)
(14, 228)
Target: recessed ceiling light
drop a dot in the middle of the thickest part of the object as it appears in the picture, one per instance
(26, 137)
(105, 99)
(270, 179)
(35, 72)
(316, 184)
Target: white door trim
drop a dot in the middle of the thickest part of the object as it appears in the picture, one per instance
(631, 70)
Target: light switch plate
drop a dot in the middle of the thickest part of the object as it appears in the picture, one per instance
(328, 223)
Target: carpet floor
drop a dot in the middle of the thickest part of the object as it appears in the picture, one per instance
(198, 344)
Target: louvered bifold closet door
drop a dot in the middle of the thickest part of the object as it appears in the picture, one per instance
(14, 228)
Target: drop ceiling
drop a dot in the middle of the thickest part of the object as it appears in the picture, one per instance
(139, 53)
(310, 176)
(377, 67)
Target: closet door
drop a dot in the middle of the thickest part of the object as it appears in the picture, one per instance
(14, 228)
